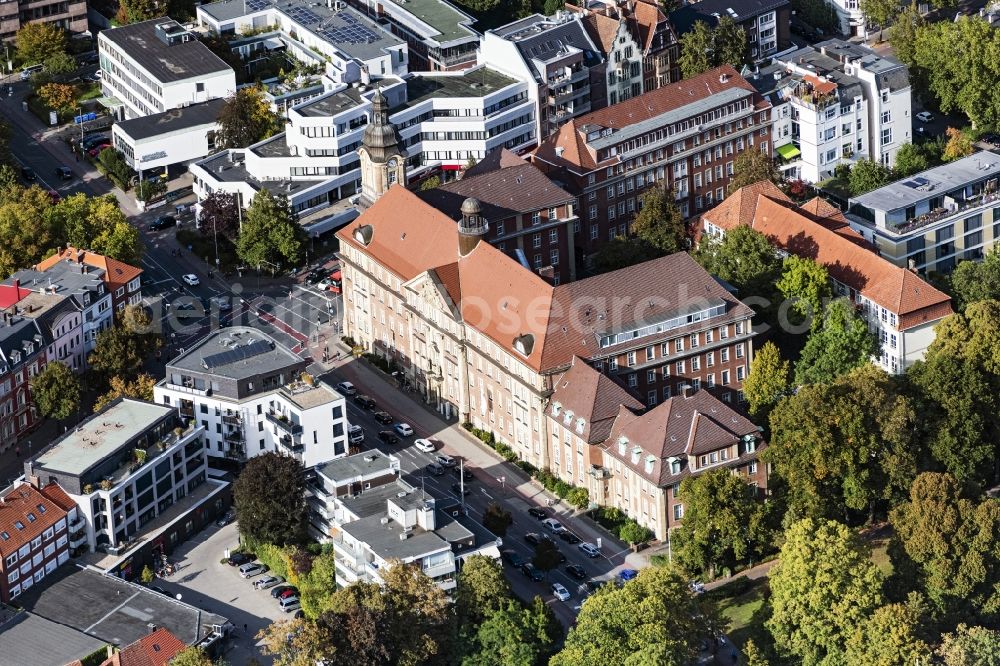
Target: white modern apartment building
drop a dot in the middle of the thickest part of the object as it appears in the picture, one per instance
(373, 518)
(559, 60)
(835, 103)
(932, 220)
(156, 65)
(852, 20)
(352, 46)
(250, 394)
(444, 120)
(123, 467)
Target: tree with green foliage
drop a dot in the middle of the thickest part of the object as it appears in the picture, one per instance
(246, 118)
(959, 145)
(318, 583)
(56, 391)
(729, 43)
(121, 350)
(141, 388)
(116, 168)
(60, 65)
(269, 496)
(806, 284)
(970, 646)
(724, 523)
(430, 183)
(824, 587)
(271, 235)
(191, 656)
(303, 642)
(910, 159)
(948, 548)
(845, 446)
(752, 654)
(903, 33)
(37, 42)
(974, 281)
(868, 175)
(770, 379)
(836, 346)
(578, 497)
(137, 11)
(818, 14)
(497, 519)
(515, 635)
(697, 46)
(659, 224)
(27, 235)
(879, 12)
(546, 556)
(957, 388)
(96, 223)
(752, 166)
(622, 252)
(57, 96)
(652, 620)
(481, 590)
(891, 635)
(633, 533)
(744, 257)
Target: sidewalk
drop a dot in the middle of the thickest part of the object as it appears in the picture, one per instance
(760, 571)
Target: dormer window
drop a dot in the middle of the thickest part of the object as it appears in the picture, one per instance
(749, 443)
(636, 452)
(622, 444)
(650, 461)
(567, 417)
(675, 466)
(556, 408)
(579, 426)
(15, 357)
(28, 347)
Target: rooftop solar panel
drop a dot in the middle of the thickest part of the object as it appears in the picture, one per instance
(238, 353)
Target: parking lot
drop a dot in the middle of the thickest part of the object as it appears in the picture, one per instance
(203, 581)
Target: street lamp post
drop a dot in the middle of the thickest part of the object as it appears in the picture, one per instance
(215, 233)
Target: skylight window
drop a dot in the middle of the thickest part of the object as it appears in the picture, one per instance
(5, 536)
(18, 524)
(41, 508)
(31, 517)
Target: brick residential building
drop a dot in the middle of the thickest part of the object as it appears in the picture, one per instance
(22, 356)
(531, 218)
(685, 136)
(154, 649)
(900, 308)
(34, 536)
(70, 15)
(482, 338)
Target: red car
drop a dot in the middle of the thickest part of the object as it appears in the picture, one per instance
(336, 281)
(96, 150)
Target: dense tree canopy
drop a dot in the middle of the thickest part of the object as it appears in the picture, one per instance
(56, 390)
(752, 166)
(659, 223)
(246, 119)
(892, 635)
(806, 284)
(121, 350)
(269, 496)
(839, 344)
(515, 635)
(271, 235)
(824, 587)
(703, 48)
(973, 281)
(970, 646)
(769, 380)
(744, 258)
(37, 42)
(867, 175)
(219, 213)
(910, 159)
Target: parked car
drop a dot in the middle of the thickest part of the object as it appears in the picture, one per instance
(595, 584)
(265, 582)
(568, 537)
(576, 571)
(226, 518)
(463, 472)
(252, 569)
(283, 589)
(347, 388)
(404, 429)
(64, 173)
(239, 559)
(535, 512)
(553, 525)
(93, 78)
(458, 489)
(534, 538)
(98, 149)
(30, 70)
(560, 592)
(589, 549)
(625, 575)
(364, 401)
(92, 140)
(513, 558)
(28, 174)
(163, 222)
(532, 572)
(385, 418)
(191, 279)
(425, 445)
(925, 116)
(435, 469)
(446, 460)
(289, 604)
(388, 437)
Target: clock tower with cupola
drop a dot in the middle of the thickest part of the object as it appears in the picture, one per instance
(383, 159)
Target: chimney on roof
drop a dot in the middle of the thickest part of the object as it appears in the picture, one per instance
(688, 391)
(911, 264)
(559, 151)
(723, 77)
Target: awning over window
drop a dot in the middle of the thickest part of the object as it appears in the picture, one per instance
(789, 151)
(110, 102)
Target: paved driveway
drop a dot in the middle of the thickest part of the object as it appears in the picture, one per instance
(203, 581)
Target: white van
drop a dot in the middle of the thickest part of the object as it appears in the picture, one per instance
(30, 71)
(355, 434)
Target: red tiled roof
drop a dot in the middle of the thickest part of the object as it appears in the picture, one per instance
(739, 207)
(116, 273)
(495, 159)
(602, 29)
(156, 649)
(896, 289)
(22, 501)
(637, 109)
(592, 396)
(647, 15)
(823, 212)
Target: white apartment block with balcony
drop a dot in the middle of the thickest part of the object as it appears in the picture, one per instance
(444, 120)
(158, 65)
(250, 395)
(372, 518)
(835, 103)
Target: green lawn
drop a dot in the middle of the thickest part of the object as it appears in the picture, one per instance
(744, 614)
(880, 556)
(836, 186)
(88, 91)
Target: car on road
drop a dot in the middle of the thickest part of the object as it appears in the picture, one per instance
(224, 303)
(568, 537)
(356, 434)
(163, 222)
(364, 402)
(252, 569)
(464, 473)
(226, 518)
(560, 592)
(513, 558)
(535, 512)
(28, 174)
(336, 282)
(553, 525)
(534, 538)
(267, 581)
(281, 590)
(434, 469)
(425, 445)
(347, 388)
(458, 489)
(589, 549)
(64, 173)
(532, 572)
(239, 559)
(93, 78)
(388, 437)
(385, 418)
(446, 461)
(404, 429)
(191, 279)
(925, 117)
(625, 575)
(576, 571)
